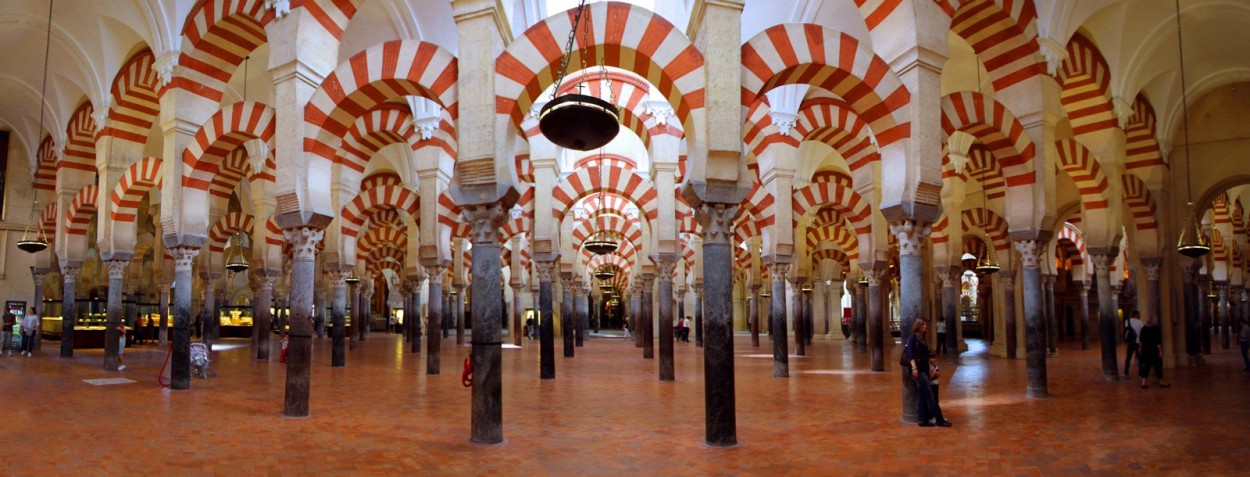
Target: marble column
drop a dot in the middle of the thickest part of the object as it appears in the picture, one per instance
(681, 305)
(212, 320)
(1154, 305)
(69, 308)
(566, 317)
(366, 308)
(164, 291)
(952, 280)
(1007, 279)
(180, 359)
(488, 318)
(1221, 289)
(648, 316)
(116, 271)
(546, 321)
(434, 316)
(1207, 310)
(319, 305)
(781, 355)
(664, 266)
(755, 315)
(1031, 253)
(353, 305)
(1192, 299)
(458, 301)
(263, 322)
(800, 319)
(518, 329)
(38, 275)
(1106, 314)
(698, 316)
(860, 297)
(1115, 307)
(415, 321)
(1086, 327)
(718, 366)
(911, 236)
(580, 308)
(1052, 323)
(635, 311)
(875, 320)
(809, 320)
(303, 242)
(338, 318)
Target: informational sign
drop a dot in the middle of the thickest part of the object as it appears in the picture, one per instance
(17, 308)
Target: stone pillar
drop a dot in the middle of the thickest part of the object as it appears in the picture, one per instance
(263, 321)
(1106, 314)
(648, 316)
(434, 317)
(164, 291)
(1206, 310)
(755, 315)
(1154, 307)
(860, 305)
(488, 316)
(1031, 252)
(698, 316)
(566, 317)
(303, 242)
(800, 318)
(875, 320)
(1084, 314)
(580, 308)
(458, 300)
(781, 358)
(809, 320)
(116, 271)
(38, 275)
(449, 313)
(911, 236)
(1221, 288)
(546, 322)
(319, 313)
(338, 318)
(951, 282)
(212, 318)
(664, 265)
(518, 329)
(1052, 323)
(415, 321)
(1115, 307)
(180, 359)
(1193, 325)
(69, 309)
(366, 308)
(1010, 323)
(718, 366)
(635, 311)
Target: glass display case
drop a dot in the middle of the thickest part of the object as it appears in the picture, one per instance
(236, 321)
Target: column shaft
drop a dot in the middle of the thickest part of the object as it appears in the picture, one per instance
(718, 365)
(1031, 252)
(338, 320)
(116, 271)
(303, 242)
(517, 329)
(434, 319)
(546, 322)
(951, 282)
(69, 309)
(263, 323)
(1010, 323)
(1106, 316)
(566, 319)
(800, 320)
(698, 316)
(1085, 325)
(876, 318)
(580, 309)
(781, 358)
(180, 358)
(755, 316)
(488, 318)
(648, 318)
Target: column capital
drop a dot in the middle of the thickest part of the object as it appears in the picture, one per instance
(304, 241)
(665, 264)
(1030, 252)
(183, 257)
(435, 272)
(875, 275)
(117, 268)
(949, 279)
(544, 269)
(698, 291)
(1189, 269)
(778, 270)
(1048, 280)
(1102, 263)
(485, 220)
(717, 222)
(1151, 265)
(911, 235)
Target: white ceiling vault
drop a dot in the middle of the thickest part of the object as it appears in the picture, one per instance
(92, 38)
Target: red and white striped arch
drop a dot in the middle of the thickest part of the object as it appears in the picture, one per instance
(385, 257)
(837, 235)
(583, 182)
(381, 73)
(381, 235)
(449, 216)
(48, 219)
(987, 171)
(833, 122)
(828, 215)
(939, 232)
(521, 223)
(216, 37)
(618, 161)
(1000, 132)
(991, 223)
(1137, 197)
(385, 217)
(136, 108)
(1003, 33)
(832, 254)
(592, 262)
(45, 167)
(384, 197)
(140, 178)
(1219, 252)
(812, 54)
(841, 197)
(625, 36)
(1086, 79)
(376, 129)
(759, 132)
(222, 134)
(79, 152)
(1141, 140)
(227, 226)
(379, 179)
(745, 228)
(332, 15)
(1084, 170)
(630, 93)
(81, 209)
(758, 206)
(623, 227)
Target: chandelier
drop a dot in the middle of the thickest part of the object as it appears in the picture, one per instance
(604, 272)
(1192, 242)
(35, 241)
(579, 121)
(236, 253)
(986, 265)
(600, 242)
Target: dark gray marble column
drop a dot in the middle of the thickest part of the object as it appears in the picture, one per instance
(1011, 325)
(319, 310)
(781, 352)
(263, 318)
(303, 242)
(338, 318)
(518, 329)
(212, 321)
(366, 308)
(911, 236)
(635, 312)
(164, 290)
(648, 317)
(809, 321)
(546, 321)
(1031, 255)
(718, 366)
(1083, 289)
(580, 308)
(859, 314)
(755, 315)
(116, 272)
(798, 317)
(698, 315)
(414, 321)
(1206, 310)
(875, 320)
(952, 282)
(38, 275)
(664, 266)
(1221, 290)
(1193, 326)
(457, 299)
(566, 316)
(488, 318)
(1106, 313)
(1154, 307)
(69, 308)
(1052, 324)
(434, 315)
(180, 358)
(353, 304)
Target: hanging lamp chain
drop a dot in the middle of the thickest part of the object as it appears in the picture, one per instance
(33, 221)
(1180, 45)
(568, 48)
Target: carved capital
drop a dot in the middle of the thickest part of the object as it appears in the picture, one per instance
(544, 270)
(1102, 263)
(1189, 269)
(664, 267)
(875, 276)
(1030, 252)
(717, 222)
(698, 291)
(485, 220)
(303, 242)
(1054, 53)
(38, 277)
(183, 257)
(338, 278)
(436, 274)
(166, 66)
(117, 269)
(950, 279)
(910, 236)
(1151, 266)
(69, 273)
(267, 281)
(281, 8)
(784, 122)
(777, 271)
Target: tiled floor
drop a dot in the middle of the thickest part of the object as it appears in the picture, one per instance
(607, 414)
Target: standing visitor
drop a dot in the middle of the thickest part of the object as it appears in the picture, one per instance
(1150, 355)
(30, 326)
(9, 321)
(916, 354)
(121, 345)
(941, 332)
(1132, 331)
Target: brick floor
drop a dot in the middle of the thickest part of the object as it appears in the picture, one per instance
(608, 414)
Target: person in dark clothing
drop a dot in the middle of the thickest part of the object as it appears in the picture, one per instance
(1150, 354)
(916, 354)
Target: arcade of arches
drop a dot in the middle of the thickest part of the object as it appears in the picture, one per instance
(791, 174)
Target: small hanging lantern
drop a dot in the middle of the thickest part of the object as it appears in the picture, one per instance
(35, 241)
(986, 265)
(1193, 243)
(236, 253)
(578, 121)
(604, 273)
(353, 279)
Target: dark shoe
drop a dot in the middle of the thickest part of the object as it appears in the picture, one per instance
(1165, 385)
(926, 424)
(944, 423)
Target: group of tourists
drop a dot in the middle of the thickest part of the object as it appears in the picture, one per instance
(28, 328)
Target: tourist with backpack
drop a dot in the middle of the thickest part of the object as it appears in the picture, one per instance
(1132, 328)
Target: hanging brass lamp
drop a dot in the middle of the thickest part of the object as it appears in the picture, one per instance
(986, 264)
(604, 273)
(35, 241)
(1192, 242)
(578, 121)
(236, 255)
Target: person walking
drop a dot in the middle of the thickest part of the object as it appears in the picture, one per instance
(1132, 332)
(941, 337)
(7, 336)
(121, 346)
(1243, 339)
(1150, 355)
(916, 354)
(30, 326)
